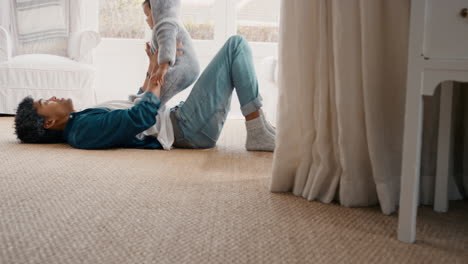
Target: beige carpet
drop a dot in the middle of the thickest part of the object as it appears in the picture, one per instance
(62, 205)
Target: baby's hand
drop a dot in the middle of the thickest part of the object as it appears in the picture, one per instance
(179, 46)
(162, 68)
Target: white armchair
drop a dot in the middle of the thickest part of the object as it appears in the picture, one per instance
(48, 68)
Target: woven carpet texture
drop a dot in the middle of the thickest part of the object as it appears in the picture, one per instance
(63, 205)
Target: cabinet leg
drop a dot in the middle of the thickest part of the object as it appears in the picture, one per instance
(444, 148)
(409, 191)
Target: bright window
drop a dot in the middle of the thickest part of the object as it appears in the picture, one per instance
(257, 20)
(121, 19)
(198, 17)
(209, 22)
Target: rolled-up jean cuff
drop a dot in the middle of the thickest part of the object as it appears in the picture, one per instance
(252, 106)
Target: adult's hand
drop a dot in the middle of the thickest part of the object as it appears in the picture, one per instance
(160, 72)
(153, 58)
(154, 86)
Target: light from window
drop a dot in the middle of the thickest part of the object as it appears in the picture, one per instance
(258, 20)
(125, 18)
(121, 19)
(198, 18)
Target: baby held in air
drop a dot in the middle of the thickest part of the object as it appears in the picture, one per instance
(175, 72)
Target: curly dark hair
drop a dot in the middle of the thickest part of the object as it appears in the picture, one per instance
(147, 2)
(29, 125)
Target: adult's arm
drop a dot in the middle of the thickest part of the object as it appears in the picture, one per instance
(152, 66)
(101, 130)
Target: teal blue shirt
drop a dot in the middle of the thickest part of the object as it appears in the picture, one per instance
(101, 128)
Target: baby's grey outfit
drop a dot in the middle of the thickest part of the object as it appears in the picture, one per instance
(167, 32)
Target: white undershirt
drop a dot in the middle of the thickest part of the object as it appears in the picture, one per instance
(162, 130)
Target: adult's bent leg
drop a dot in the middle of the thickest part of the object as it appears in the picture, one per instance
(260, 134)
(202, 116)
(244, 76)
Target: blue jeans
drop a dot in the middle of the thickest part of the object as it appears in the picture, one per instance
(200, 119)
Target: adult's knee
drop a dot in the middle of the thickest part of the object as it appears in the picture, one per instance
(236, 41)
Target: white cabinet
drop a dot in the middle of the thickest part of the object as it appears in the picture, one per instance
(446, 29)
(438, 52)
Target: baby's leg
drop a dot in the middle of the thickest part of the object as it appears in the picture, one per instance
(179, 77)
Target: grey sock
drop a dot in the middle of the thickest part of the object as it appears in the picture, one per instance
(258, 136)
(268, 125)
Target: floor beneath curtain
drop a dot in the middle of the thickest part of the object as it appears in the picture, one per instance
(63, 205)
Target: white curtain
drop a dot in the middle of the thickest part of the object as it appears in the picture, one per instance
(342, 81)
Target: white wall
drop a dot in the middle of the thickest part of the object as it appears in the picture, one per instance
(122, 64)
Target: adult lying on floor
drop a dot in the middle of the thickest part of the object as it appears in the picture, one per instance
(137, 123)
